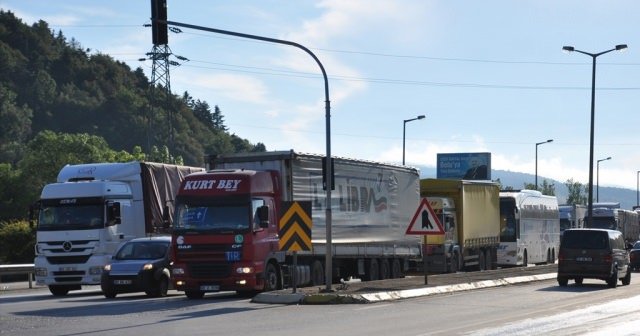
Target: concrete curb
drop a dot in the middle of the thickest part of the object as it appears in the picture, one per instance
(343, 298)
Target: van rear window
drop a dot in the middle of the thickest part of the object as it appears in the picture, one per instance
(585, 239)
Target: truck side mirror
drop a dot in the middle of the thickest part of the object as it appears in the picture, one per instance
(263, 216)
(113, 213)
(33, 211)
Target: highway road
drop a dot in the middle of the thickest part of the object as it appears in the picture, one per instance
(526, 309)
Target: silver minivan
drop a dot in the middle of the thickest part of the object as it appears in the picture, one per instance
(593, 254)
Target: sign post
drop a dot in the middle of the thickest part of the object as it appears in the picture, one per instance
(425, 222)
(294, 230)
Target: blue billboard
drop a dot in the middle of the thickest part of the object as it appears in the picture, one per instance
(466, 166)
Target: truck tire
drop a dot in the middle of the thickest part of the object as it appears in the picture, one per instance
(373, 271)
(488, 257)
(59, 290)
(385, 269)
(454, 266)
(481, 261)
(271, 278)
(396, 269)
(317, 273)
(194, 294)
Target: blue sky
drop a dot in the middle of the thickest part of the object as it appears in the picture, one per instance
(490, 76)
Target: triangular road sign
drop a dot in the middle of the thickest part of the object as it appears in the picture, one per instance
(425, 221)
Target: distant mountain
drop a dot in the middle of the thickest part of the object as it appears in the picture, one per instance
(626, 197)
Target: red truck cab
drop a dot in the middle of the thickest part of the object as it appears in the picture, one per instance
(225, 234)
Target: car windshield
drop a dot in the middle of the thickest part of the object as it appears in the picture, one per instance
(636, 245)
(585, 239)
(213, 217)
(142, 250)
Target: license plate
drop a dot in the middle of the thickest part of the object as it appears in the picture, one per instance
(66, 269)
(209, 288)
(121, 282)
(583, 259)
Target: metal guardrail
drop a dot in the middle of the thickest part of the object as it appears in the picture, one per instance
(18, 269)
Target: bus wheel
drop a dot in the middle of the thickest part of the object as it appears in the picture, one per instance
(488, 259)
(525, 259)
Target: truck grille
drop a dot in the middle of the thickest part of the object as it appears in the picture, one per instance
(81, 259)
(209, 271)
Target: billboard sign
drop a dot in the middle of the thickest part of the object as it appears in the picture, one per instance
(466, 166)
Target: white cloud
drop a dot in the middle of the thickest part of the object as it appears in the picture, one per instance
(237, 87)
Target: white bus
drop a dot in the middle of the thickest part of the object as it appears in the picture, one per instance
(529, 228)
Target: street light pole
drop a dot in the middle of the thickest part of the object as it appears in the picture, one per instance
(538, 144)
(593, 100)
(598, 178)
(638, 189)
(404, 132)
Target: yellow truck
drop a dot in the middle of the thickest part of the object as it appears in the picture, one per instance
(469, 212)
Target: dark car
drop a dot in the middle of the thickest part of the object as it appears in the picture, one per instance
(594, 254)
(139, 265)
(634, 256)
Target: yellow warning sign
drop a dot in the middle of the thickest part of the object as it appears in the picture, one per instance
(294, 228)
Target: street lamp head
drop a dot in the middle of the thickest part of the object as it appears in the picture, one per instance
(421, 117)
(568, 48)
(621, 47)
(550, 140)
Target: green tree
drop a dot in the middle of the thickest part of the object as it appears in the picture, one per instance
(577, 193)
(17, 240)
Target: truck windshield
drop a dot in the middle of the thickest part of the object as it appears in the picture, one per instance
(604, 223)
(71, 217)
(213, 217)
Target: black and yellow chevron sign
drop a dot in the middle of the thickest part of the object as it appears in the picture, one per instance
(295, 225)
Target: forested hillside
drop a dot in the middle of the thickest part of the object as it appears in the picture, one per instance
(61, 104)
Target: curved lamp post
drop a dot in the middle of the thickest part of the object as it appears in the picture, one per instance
(538, 144)
(404, 132)
(598, 178)
(593, 100)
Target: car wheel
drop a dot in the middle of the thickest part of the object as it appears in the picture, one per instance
(612, 282)
(563, 282)
(161, 289)
(578, 281)
(109, 294)
(627, 278)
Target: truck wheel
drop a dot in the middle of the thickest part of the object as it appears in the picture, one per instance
(488, 259)
(481, 261)
(194, 294)
(385, 270)
(525, 259)
(270, 278)
(58, 290)
(373, 271)
(317, 273)
(454, 267)
(396, 269)
(578, 281)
